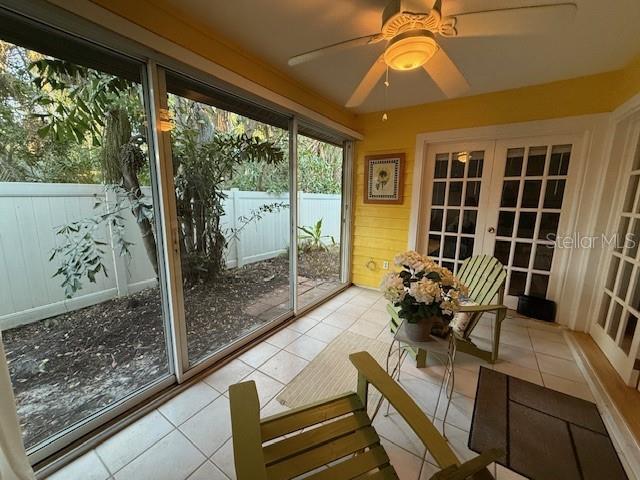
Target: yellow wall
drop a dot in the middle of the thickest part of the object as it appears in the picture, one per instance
(153, 16)
(380, 232)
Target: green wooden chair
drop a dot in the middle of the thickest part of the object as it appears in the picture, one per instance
(484, 276)
(337, 434)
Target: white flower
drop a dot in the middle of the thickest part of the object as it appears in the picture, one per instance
(393, 288)
(414, 261)
(426, 291)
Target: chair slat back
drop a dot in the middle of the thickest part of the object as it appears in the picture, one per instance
(484, 275)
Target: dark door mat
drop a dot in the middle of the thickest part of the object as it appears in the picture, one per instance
(546, 435)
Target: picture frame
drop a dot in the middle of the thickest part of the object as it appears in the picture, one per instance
(384, 178)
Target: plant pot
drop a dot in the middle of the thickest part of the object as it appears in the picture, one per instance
(420, 331)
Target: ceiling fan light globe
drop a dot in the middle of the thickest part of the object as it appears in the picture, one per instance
(410, 50)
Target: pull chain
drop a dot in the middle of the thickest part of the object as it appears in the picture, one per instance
(386, 88)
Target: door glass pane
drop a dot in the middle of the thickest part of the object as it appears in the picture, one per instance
(449, 250)
(510, 193)
(513, 166)
(466, 248)
(232, 196)
(526, 224)
(629, 333)
(613, 272)
(442, 161)
(535, 161)
(517, 283)
(457, 167)
(619, 241)
(501, 251)
(630, 195)
(559, 163)
(435, 224)
(548, 226)
(554, 194)
(543, 258)
(469, 221)
(476, 165)
(319, 219)
(604, 310)
(433, 247)
(506, 221)
(453, 220)
(81, 308)
(437, 197)
(614, 321)
(472, 194)
(521, 255)
(623, 281)
(539, 284)
(455, 193)
(531, 193)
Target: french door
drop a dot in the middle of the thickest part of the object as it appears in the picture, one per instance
(616, 328)
(501, 198)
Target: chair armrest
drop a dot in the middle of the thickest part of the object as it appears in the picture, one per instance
(370, 372)
(246, 434)
(481, 308)
(471, 467)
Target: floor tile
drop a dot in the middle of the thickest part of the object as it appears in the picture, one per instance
(518, 339)
(303, 324)
(366, 329)
(460, 411)
(351, 309)
(376, 316)
(553, 348)
(127, 444)
(210, 427)
(428, 471)
(519, 356)
(267, 387)
(208, 471)
(172, 458)
(575, 389)
(394, 428)
(560, 367)
(272, 408)
(259, 354)
(87, 467)
(283, 338)
(407, 465)
(324, 333)
(223, 459)
(232, 372)
(283, 366)
(306, 347)
(515, 370)
(339, 320)
(182, 406)
(551, 336)
(320, 312)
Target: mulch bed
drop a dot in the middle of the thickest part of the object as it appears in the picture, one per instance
(71, 366)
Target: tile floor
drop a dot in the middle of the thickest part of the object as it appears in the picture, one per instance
(189, 436)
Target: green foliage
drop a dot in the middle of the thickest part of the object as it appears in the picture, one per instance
(312, 237)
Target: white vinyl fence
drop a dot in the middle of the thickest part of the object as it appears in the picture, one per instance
(31, 213)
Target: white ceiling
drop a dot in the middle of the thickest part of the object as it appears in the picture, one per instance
(605, 36)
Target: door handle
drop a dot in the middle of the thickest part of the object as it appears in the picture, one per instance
(491, 230)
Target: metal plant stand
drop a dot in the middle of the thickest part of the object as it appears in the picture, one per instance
(442, 348)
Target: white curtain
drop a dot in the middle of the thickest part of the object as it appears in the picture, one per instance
(14, 464)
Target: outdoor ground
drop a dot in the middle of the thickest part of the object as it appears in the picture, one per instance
(69, 367)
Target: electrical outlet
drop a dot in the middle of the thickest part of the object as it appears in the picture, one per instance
(385, 265)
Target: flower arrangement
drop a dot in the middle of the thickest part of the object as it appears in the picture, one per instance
(422, 289)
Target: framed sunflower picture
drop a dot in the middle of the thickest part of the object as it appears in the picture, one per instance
(384, 178)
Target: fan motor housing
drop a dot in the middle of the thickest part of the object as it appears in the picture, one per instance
(400, 16)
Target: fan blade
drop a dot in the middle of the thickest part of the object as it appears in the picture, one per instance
(369, 81)
(534, 20)
(446, 75)
(354, 42)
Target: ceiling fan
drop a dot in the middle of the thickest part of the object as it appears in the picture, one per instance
(411, 39)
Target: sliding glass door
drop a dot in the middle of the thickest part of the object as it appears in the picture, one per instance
(150, 224)
(231, 180)
(81, 304)
(320, 219)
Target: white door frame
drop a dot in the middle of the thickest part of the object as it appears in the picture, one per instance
(586, 127)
